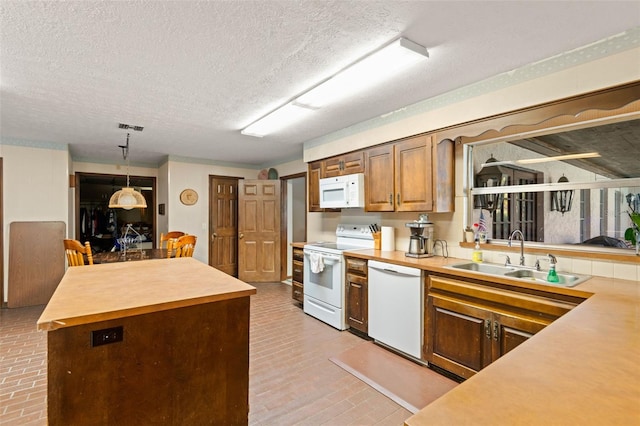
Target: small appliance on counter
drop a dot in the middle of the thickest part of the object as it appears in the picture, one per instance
(421, 239)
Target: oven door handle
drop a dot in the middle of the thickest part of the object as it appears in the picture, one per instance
(327, 259)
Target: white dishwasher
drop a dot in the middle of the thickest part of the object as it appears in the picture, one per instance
(396, 306)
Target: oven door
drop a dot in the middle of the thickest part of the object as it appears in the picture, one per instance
(325, 286)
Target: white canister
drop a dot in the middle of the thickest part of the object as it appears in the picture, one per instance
(388, 238)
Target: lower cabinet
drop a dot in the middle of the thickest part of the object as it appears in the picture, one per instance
(357, 294)
(297, 279)
(470, 325)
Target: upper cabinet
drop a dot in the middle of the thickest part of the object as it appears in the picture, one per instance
(414, 174)
(411, 175)
(315, 170)
(346, 164)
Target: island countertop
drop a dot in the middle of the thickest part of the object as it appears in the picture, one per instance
(107, 291)
(581, 369)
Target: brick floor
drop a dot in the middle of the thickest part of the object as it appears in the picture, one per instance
(291, 380)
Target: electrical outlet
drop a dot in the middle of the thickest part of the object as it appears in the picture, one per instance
(106, 336)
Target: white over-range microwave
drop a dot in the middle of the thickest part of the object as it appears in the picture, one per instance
(342, 191)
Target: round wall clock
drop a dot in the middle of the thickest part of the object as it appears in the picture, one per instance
(189, 197)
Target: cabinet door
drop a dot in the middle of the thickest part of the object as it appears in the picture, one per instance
(357, 302)
(414, 174)
(511, 331)
(379, 187)
(353, 163)
(332, 167)
(345, 164)
(315, 169)
(459, 336)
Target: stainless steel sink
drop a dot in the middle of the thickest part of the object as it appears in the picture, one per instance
(485, 268)
(521, 274)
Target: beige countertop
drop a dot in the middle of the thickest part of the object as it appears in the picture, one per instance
(584, 368)
(101, 292)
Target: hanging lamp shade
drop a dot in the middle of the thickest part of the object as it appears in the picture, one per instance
(127, 198)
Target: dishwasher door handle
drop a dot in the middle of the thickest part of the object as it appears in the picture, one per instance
(394, 269)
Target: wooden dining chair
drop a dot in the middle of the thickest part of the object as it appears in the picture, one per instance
(170, 236)
(183, 246)
(76, 251)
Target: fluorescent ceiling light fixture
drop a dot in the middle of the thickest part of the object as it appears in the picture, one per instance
(544, 159)
(282, 117)
(367, 72)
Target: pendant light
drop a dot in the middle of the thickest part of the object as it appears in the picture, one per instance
(127, 198)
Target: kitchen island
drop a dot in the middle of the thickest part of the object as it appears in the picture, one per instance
(581, 369)
(155, 342)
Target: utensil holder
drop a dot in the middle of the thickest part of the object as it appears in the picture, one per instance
(377, 240)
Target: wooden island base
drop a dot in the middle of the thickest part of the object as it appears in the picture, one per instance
(184, 360)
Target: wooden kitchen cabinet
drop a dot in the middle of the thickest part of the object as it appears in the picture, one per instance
(315, 170)
(297, 274)
(469, 325)
(357, 294)
(314, 174)
(345, 164)
(414, 174)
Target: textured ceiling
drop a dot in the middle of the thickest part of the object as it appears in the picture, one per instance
(195, 73)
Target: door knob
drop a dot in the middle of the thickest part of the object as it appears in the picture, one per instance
(214, 235)
(241, 235)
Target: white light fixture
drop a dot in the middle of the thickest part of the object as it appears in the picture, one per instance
(127, 198)
(544, 159)
(283, 116)
(366, 72)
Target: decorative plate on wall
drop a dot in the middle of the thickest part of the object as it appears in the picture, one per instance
(189, 197)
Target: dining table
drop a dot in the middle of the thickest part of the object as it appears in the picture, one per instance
(130, 255)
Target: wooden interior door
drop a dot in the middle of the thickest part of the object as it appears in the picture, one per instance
(223, 224)
(259, 230)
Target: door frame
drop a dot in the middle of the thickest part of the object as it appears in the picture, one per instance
(284, 231)
(76, 186)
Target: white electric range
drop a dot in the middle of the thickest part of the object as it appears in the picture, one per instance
(324, 273)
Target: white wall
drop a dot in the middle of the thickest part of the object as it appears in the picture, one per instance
(35, 188)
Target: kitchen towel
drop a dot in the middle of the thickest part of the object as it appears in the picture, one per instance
(388, 238)
(317, 265)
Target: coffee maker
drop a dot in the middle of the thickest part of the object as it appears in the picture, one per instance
(421, 239)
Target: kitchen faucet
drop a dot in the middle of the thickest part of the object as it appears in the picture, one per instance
(517, 231)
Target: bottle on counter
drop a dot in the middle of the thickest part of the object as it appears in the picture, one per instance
(552, 276)
(476, 256)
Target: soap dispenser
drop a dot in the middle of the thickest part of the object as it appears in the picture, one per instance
(476, 256)
(552, 276)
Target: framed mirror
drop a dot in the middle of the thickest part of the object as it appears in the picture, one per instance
(571, 179)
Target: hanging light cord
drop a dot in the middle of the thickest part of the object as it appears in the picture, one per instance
(125, 155)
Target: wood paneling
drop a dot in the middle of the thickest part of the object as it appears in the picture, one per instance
(36, 262)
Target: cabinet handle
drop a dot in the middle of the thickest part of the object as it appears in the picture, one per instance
(487, 328)
(496, 330)
(398, 198)
(341, 165)
(390, 198)
(355, 285)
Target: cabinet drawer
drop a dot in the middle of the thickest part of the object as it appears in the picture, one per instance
(297, 271)
(358, 266)
(298, 254)
(297, 292)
